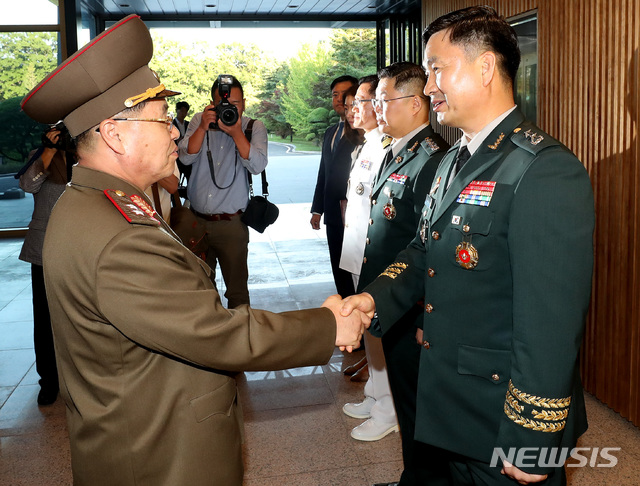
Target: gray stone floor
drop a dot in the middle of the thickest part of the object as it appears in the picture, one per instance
(296, 432)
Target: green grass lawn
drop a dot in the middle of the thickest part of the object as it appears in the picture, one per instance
(301, 144)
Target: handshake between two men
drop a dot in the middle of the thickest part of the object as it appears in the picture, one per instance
(353, 316)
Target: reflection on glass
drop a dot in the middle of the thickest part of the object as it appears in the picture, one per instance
(290, 373)
(27, 57)
(29, 12)
(526, 91)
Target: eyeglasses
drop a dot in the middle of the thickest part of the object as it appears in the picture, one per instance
(357, 103)
(168, 120)
(379, 103)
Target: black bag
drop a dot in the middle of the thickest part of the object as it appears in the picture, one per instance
(185, 224)
(260, 213)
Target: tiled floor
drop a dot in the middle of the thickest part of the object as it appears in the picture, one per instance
(296, 433)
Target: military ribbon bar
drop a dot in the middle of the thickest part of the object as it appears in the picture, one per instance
(478, 193)
(398, 179)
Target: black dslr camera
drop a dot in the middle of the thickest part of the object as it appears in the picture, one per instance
(227, 112)
(65, 142)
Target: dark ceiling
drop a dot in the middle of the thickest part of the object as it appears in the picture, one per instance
(178, 13)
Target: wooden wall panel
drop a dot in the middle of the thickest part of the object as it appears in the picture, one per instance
(588, 81)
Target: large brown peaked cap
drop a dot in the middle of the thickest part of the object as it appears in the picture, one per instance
(103, 78)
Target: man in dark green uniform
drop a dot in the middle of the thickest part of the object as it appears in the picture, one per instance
(503, 259)
(397, 198)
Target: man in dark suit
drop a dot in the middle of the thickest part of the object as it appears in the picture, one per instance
(503, 259)
(331, 186)
(147, 355)
(182, 109)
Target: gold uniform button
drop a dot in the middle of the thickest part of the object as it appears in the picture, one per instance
(426, 344)
(431, 272)
(374, 202)
(428, 308)
(119, 193)
(466, 228)
(370, 221)
(495, 377)
(368, 241)
(364, 259)
(435, 235)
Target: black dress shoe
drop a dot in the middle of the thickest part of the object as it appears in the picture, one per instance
(47, 396)
(386, 484)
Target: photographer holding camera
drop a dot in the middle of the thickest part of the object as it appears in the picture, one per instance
(45, 176)
(218, 149)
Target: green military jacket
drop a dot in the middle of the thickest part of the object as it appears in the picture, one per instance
(146, 353)
(396, 201)
(503, 259)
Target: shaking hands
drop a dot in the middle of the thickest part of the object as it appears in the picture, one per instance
(353, 316)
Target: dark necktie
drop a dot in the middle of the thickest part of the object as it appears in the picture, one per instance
(461, 158)
(336, 139)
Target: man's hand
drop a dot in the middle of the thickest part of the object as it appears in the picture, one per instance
(315, 221)
(362, 302)
(520, 476)
(349, 328)
(208, 116)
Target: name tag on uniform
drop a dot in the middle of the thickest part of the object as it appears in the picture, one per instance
(477, 193)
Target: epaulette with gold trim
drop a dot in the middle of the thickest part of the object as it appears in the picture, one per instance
(430, 145)
(548, 414)
(393, 270)
(134, 208)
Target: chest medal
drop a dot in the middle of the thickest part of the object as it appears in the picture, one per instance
(423, 230)
(466, 255)
(360, 189)
(389, 210)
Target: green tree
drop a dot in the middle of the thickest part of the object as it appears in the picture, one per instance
(192, 69)
(19, 134)
(350, 52)
(269, 109)
(25, 59)
(299, 99)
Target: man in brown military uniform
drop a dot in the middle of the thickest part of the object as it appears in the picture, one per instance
(146, 352)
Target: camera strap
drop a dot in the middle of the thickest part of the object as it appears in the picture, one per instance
(213, 174)
(263, 174)
(247, 133)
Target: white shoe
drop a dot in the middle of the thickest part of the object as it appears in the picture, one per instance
(360, 410)
(372, 430)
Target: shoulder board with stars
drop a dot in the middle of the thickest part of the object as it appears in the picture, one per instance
(531, 138)
(430, 145)
(134, 208)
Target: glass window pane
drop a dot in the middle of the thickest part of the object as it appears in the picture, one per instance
(526, 91)
(27, 57)
(30, 12)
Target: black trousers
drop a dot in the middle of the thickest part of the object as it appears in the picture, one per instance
(402, 354)
(42, 333)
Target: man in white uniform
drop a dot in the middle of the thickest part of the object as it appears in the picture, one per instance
(377, 406)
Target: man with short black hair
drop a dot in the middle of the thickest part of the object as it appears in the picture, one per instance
(397, 196)
(218, 189)
(503, 259)
(330, 194)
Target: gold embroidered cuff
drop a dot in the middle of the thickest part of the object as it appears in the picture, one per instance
(538, 401)
(393, 270)
(533, 424)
